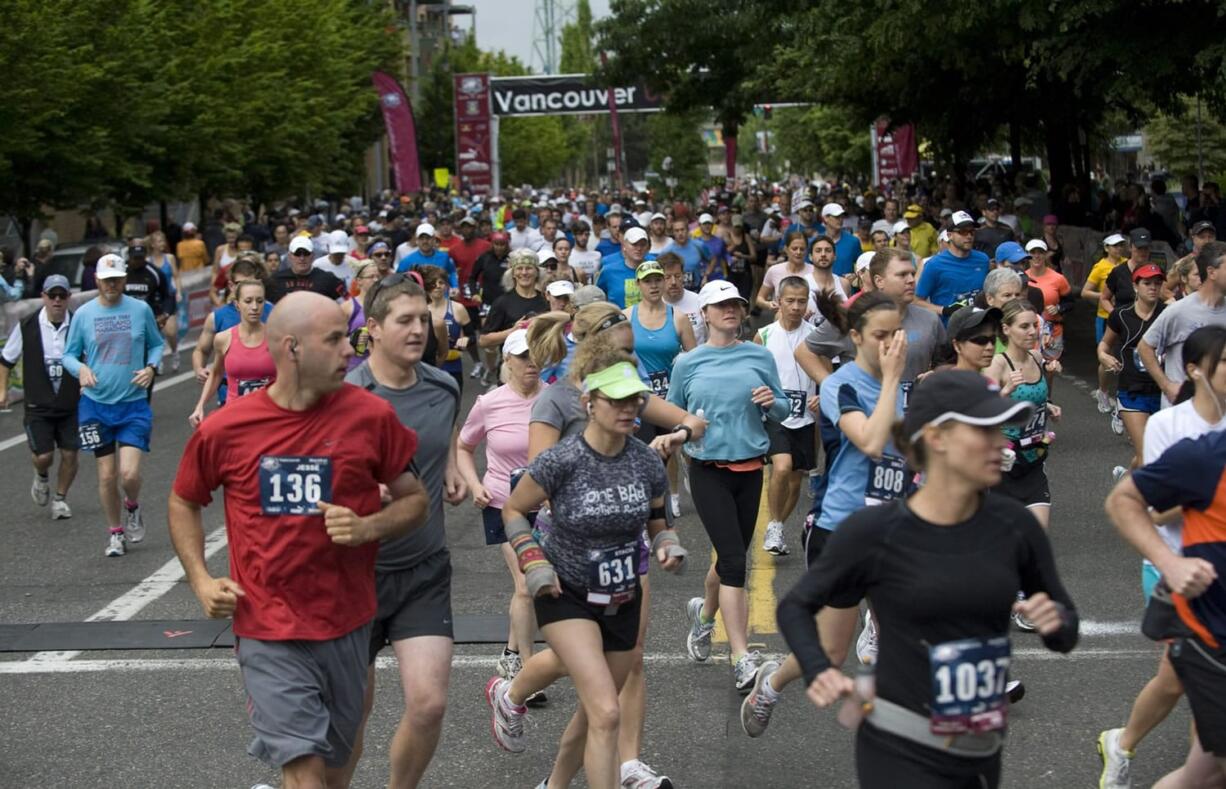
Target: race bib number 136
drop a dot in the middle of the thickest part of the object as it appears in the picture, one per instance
(294, 484)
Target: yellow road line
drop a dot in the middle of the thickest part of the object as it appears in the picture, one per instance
(761, 580)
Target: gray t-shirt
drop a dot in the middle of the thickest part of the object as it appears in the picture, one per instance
(599, 503)
(558, 406)
(1168, 332)
(925, 335)
(429, 407)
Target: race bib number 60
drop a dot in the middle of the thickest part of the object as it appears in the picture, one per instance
(294, 484)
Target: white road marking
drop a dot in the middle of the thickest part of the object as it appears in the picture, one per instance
(227, 663)
(17, 440)
(133, 601)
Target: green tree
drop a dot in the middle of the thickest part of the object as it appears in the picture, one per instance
(1178, 145)
(817, 139)
(677, 136)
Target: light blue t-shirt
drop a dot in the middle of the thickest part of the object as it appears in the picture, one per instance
(848, 389)
(115, 343)
(846, 250)
(947, 278)
(719, 382)
(439, 258)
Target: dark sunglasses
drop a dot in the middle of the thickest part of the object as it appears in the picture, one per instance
(301, 253)
(980, 339)
(391, 280)
(61, 296)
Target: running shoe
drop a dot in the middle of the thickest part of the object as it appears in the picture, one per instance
(1021, 622)
(674, 501)
(135, 526)
(1104, 402)
(774, 543)
(1015, 691)
(698, 640)
(866, 644)
(60, 510)
(509, 664)
(40, 491)
(508, 720)
(1117, 762)
(174, 362)
(1117, 424)
(636, 775)
(477, 371)
(1118, 473)
(161, 368)
(746, 671)
(543, 784)
(756, 709)
(115, 546)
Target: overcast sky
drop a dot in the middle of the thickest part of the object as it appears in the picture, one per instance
(507, 24)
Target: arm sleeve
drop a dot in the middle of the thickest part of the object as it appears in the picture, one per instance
(839, 578)
(154, 344)
(1181, 477)
(546, 411)
(927, 281)
(1155, 335)
(1038, 574)
(198, 474)
(1114, 323)
(74, 347)
(546, 469)
(475, 274)
(473, 431)
(11, 353)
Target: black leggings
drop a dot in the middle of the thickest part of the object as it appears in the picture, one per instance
(884, 761)
(727, 503)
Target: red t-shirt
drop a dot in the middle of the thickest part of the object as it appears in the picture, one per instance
(274, 464)
(465, 255)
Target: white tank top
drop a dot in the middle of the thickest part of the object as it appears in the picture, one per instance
(798, 386)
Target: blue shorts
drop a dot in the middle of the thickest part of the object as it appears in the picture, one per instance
(1149, 579)
(1139, 401)
(103, 425)
(1100, 328)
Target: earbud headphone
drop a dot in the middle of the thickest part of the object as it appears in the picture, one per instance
(589, 409)
(293, 348)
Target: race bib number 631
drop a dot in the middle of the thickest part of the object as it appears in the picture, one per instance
(294, 484)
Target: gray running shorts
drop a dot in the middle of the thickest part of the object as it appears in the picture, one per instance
(305, 698)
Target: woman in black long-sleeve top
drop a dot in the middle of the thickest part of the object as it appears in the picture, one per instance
(941, 570)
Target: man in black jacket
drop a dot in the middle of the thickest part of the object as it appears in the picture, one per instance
(50, 396)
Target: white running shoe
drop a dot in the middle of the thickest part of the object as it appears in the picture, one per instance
(746, 671)
(1117, 424)
(1104, 402)
(161, 368)
(674, 501)
(636, 775)
(40, 491)
(115, 546)
(866, 644)
(174, 362)
(698, 639)
(1118, 473)
(60, 510)
(1117, 762)
(774, 543)
(508, 720)
(756, 709)
(477, 371)
(509, 664)
(135, 525)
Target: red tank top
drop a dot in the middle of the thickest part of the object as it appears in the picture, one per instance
(248, 369)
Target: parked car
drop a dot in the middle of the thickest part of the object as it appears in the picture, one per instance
(66, 259)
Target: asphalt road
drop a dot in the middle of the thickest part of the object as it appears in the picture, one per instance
(176, 718)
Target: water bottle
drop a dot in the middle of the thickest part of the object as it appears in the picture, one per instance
(696, 444)
(860, 702)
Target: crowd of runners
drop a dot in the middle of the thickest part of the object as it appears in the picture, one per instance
(889, 363)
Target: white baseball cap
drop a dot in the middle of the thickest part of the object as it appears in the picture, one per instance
(1036, 243)
(515, 343)
(424, 229)
(560, 287)
(110, 267)
(900, 226)
(961, 218)
(189, 227)
(884, 225)
(832, 209)
(545, 253)
(634, 235)
(706, 219)
(300, 243)
(717, 292)
(658, 215)
(338, 242)
(1113, 239)
(864, 260)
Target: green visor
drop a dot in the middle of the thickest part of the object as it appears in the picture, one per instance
(616, 382)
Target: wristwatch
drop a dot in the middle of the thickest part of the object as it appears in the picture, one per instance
(689, 434)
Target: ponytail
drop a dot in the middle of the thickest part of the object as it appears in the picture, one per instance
(830, 305)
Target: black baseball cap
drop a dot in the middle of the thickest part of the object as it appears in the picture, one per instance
(1139, 237)
(1201, 226)
(137, 251)
(965, 321)
(961, 396)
